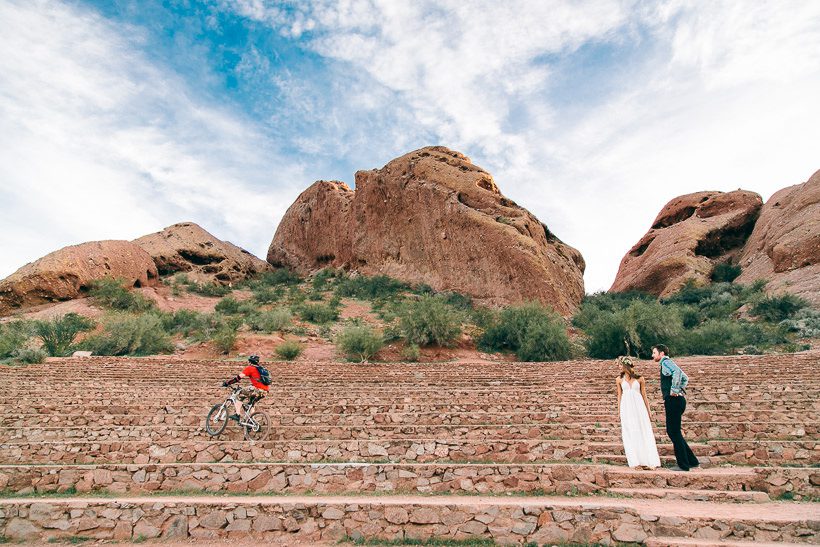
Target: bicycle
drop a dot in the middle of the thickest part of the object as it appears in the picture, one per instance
(255, 424)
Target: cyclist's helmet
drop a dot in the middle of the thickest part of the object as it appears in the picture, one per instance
(253, 359)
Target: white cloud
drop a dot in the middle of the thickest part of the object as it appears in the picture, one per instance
(715, 95)
(96, 142)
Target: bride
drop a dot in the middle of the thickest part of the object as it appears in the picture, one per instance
(636, 424)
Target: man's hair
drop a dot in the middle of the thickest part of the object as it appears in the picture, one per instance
(663, 348)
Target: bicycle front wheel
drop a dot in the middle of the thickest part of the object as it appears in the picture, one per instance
(216, 420)
(259, 428)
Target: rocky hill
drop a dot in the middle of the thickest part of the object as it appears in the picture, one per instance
(778, 242)
(432, 217)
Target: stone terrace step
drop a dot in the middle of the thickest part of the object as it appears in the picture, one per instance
(408, 449)
(691, 495)
(560, 430)
(540, 520)
(336, 478)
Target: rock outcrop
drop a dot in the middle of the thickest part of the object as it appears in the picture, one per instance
(186, 247)
(69, 272)
(784, 247)
(689, 237)
(432, 217)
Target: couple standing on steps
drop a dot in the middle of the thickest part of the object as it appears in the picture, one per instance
(636, 423)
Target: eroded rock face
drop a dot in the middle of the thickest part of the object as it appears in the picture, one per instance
(186, 247)
(433, 217)
(68, 273)
(784, 247)
(691, 234)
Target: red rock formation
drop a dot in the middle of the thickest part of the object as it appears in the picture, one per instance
(186, 247)
(691, 234)
(784, 247)
(68, 273)
(433, 217)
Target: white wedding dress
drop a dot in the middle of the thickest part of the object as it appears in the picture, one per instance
(636, 428)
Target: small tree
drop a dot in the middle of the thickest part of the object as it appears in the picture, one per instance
(58, 333)
(359, 342)
(430, 321)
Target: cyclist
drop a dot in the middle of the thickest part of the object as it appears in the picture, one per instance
(252, 393)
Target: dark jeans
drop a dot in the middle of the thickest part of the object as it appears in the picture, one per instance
(674, 407)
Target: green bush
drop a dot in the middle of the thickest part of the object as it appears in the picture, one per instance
(279, 276)
(368, 288)
(289, 350)
(411, 352)
(430, 321)
(209, 289)
(58, 333)
(29, 356)
(231, 306)
(533, 332)
(322, 278)
(112, 293)
(457, 300)
(126, 334)
(224, 338)
(267, 295)
(714, 337)
(725, 272)
(13, 336)
(595, 305)
(183, 321)
(270, 321)
(778, 308)
(805, 323)
(633, 329)
(358, 342)
(318, 313)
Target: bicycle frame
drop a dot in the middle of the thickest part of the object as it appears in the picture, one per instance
(230, 405)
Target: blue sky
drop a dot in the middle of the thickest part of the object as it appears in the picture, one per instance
(118, 118)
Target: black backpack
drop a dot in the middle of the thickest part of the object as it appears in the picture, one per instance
(264, 375)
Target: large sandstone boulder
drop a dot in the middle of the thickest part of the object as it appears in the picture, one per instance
(784, 247)
(689, 237)
(69, 272)
(432, 217)
(186, 247)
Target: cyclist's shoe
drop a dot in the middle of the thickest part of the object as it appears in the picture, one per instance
(234, 417)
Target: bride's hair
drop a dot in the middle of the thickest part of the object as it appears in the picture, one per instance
(626, 362)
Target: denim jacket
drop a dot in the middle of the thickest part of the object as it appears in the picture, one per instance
(679, 378)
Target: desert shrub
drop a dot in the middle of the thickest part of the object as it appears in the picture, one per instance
(725, 272)
(531, 331)
(183, 322)
(368, 288)
(714, 337)
(424, 289)
(209, 289)
(279, 276)
(457, 300)
(267, 295)
(224, 339)
(13, 336)
(359, 342)
(594, 305)
(126, 334)
(270, 321)
(289, 350)
(111, 293)
(778, 308)
(633, 329)
(430, 321)
(323, 277)
(231, 306)
(317, 313)
(29, 356)
(805, 323)
(411, 352)
(58, 333)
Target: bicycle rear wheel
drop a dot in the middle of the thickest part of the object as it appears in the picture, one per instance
(216, 420)
(260, 429)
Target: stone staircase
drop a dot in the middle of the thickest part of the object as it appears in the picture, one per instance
(114, 449)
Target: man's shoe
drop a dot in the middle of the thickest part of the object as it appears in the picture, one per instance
(234, 417)
(695, 465)
(677, 468)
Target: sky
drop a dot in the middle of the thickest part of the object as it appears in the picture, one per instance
(121, 117)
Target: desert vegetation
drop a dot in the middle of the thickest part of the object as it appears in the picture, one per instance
(720, 318)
